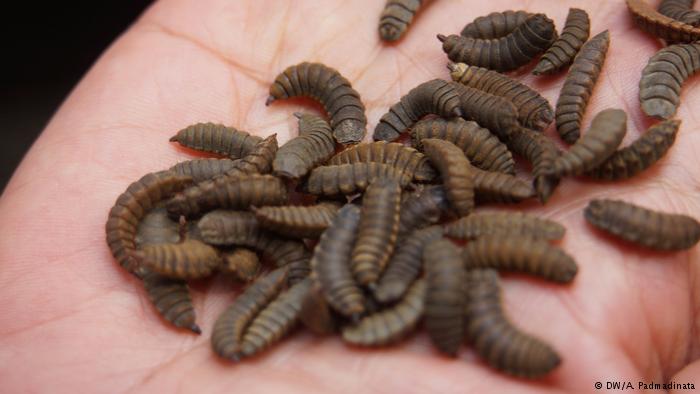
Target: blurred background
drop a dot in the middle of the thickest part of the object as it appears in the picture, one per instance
(49, 46)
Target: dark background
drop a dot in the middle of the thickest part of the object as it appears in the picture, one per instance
(48, 47)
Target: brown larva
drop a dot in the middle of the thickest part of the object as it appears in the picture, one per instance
(332, 90)
(495, 338)
(680, 10)
(663, 77)
(640, 155)
(578, 86)
(661, 26)
(642, 226)
(504, 224)
(227, 335)
(203, 169)
(157, 228)
(297, 221)
(499, 188)
(258, 161)
(351, 178)
(457, 173)
(242, 263)
(493, 112)
(402, 157)
(421, 209)
(541, 152)
(172, 300)
(217, 138)
(534, 110)
(433, 97)
(506, 53)
(576, 32)
(302, 153)
(495, 24)
(396, 18)
(190, 259)
(316, 314)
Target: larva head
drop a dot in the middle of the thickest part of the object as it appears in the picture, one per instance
(449, 42)
(595, 211)
(457, 70)
(389, 32)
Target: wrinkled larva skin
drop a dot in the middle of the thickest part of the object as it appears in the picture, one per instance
(493, 112)
(576, 31)
(242, 263)
(495, 24)
(515, 224)
(203, 169)
(497, 187)
(191, 259)
(397, 17)
(172, 300)
(661, 26)
(402, 157)
(297, 221)
(217, 138)
(456, 172)
(541, 152)
(680, 10)
(314, 146)
(422, 209)
(347, 179)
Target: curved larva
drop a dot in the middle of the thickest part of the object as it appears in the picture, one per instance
(402, 157)
(576, 31)
(172, 300)
(396, 18)
(348, 179)
(217, 138)
(456, 172)
(493, 112)
(297, 221)
(203, 169)
(242, 263)
(541, 152)
(495, 24)
(422, 209)
(499, 188)
(680, 10)
(661, 26)
(313, 146)
(517, 224)
(190, 259)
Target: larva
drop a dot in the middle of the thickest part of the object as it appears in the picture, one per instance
(302, 153)
(433, 97)
(332, 90)
(577, 29)
(307, 123)
(297, 221)
(444, 299)
(258, 161)
(172, 300)
(216, 138)
(242, 263)
(457, 173)
(502, 345)
(495, 113)
(315, 313)
(351, 178)
(578, 86)
(504, 224)
(203, 169)
(534, 110)
(661, 26)
(402, 157)
(506, 53)
(131, 206)
(330, 264)
(642, 226)
(663, 77)
(390, 325)
(483, 149)
(499, 188)
(227, 335)
(680, 10)
(157, 228)
(541, 152)
(396, 18)
(640, 155)
(190, 259)
(422, 209)
(495, 24)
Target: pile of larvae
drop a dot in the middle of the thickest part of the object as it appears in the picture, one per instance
(369, 239)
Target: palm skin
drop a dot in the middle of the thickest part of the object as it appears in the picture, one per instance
(74, 321)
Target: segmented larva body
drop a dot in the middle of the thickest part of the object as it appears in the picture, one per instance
(640, 155)
(217, 138)
(663, 77)
(483, 149)
(203, 169)
(541, 152)
(444, 299)
(493, 112)
(500, 188)
(302, 153)
(307, 123)
(258, 161)
(422, 209)
(457, 173)
(506, 53)
(157, 228)
(190, 259)
(335, 93)
(227, 335)
(402, 157)
(172, 300)
(607, 130)
(680, 10)
(578, 86)
(433, 97)
(661, 26)
(642, 226)
(396, 17)
(504, 224)
(351, 178)
(495, 24)
(131, 206)
(494, 337)
(534, 110)
(577, 29)
(316, 314)
(242, 263)
(297, 221)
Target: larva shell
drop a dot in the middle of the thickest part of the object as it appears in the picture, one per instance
(203, 169)
(493, 112)
(227, 335)
(483, 149)
(607, 130)
(307, 123)
(311, 148)
(541, 152)
(190, 259)
(494, 337)
(390, 325)
(172, 300)
(422, 209)
(242, 263)
(351, 178)
(457, 173)
(433, 97)
(504, 224)
(258, 161)
(330, 264)
(157, 228)
(640, 155)
(577, 29)
(316, 314)
(663, 78)
(495, 24)
(131, 206)
(396, 17)
(297, 221)
(506, 53)
(661, 26)
(217, 138)
(578, 86)
(378, 229)
(325, 85)
(499, 188)
(642, 226)
(680, 10)
(534, 110)
(444, 298)
(402, 157)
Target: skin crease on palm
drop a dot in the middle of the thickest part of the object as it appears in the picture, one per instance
(73, 321)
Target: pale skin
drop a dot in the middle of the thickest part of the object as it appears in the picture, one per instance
(72, 320)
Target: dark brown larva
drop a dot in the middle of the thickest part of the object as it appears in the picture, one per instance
(217, 138)
(312, 147)
(541, 152)
(483, 149)
(576, 32)
(499, 188)
(421, 209)
(445, 298)
(172, 300)
(640, 155)
(433, 97)
(661, 26)
(504, 224)
(332, 90)
(501, 344)
(258, 161)
(131, 206)
(316, 314)
(493, 112)
(297, 221)
(227, 335)
(351, 178)
(509, 52)
(190, 259)
(396, 17)
(680, 10)
(642, 226)
(457, 173)
(242, 263)
(495, 24)
(157, 228)
(663, 77)
(534, 110)
(402, 157)
(203, 169)
(578, 86)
